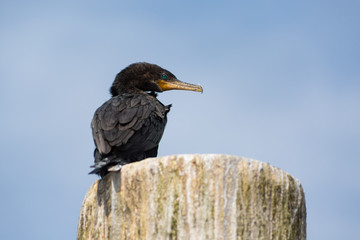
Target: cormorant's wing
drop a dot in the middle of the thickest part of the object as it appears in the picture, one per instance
(128, 120)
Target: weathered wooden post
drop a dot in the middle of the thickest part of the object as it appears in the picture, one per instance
(195, 197)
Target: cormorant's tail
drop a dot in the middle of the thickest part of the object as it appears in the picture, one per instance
(108, 164)
(112, 163)
(100, 167)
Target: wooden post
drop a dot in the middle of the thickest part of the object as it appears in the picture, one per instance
(195, 197)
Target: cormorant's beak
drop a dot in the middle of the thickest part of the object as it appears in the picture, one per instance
(178, 85)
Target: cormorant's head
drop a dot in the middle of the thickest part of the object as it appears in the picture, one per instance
(143, 76)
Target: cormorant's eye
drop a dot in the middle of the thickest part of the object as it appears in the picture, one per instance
(163, 76)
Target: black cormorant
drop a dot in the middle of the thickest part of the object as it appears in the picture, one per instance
(129, 126)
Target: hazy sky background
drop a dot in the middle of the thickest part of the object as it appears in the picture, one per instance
(281, 84)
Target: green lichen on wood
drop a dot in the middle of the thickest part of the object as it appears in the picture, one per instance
(174, 218)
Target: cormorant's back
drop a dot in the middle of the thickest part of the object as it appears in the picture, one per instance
(127, 128)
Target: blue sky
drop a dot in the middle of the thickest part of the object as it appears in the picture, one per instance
(281, 84)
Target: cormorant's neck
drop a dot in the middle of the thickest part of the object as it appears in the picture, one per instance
(152, 93)
(133, 91)
(129, 90)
